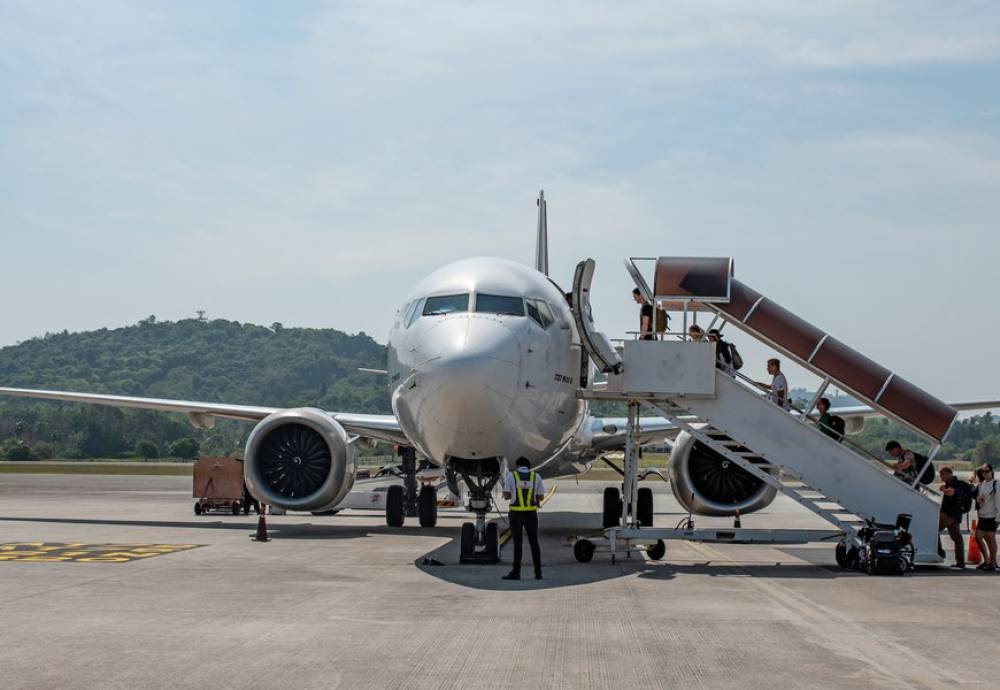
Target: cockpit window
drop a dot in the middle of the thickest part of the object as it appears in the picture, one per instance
(411, 313)
(533, 312)
(499, 304)
(445, 304)
(539, 311)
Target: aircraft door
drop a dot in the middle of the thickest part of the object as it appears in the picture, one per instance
(596, 343)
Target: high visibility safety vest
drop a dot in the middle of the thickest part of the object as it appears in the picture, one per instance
(524, 493)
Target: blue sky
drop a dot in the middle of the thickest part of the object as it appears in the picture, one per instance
(308, 162)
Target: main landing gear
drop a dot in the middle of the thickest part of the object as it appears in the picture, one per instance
(480, 542)
(410, 500)
(614, 512)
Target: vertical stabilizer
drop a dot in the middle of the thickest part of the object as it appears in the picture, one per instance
(542, 240)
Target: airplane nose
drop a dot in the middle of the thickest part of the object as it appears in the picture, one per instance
(470, 377)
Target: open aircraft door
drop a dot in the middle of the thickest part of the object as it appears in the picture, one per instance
(596, 343)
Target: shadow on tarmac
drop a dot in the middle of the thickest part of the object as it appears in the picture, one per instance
(561, 569)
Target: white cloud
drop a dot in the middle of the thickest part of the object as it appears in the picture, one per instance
(281, 163)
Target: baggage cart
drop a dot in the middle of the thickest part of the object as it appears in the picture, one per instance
(218, 485)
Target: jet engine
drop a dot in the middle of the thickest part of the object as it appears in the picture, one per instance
(707, 483)
(299, 459)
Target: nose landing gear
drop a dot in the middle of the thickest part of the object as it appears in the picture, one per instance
(480, 542)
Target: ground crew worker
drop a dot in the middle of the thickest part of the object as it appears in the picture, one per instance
(524, 489)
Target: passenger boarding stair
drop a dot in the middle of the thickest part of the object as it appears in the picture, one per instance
(678, 378)
(829, 478)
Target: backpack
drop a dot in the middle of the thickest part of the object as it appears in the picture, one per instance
(838, 424)
(923, 467)
(735, 356)
(660, 321)
(965, 495)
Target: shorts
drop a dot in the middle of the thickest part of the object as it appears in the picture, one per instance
(986, 525)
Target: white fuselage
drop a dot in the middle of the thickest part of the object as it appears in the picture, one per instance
(493, 374)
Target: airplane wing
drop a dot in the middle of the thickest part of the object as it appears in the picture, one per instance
(865, 411)
(609, 432)
(203, 414)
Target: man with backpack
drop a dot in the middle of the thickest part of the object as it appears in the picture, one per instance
(727, 357)
(829, 424)
(957, 502)
(910, 465)
(653, 321)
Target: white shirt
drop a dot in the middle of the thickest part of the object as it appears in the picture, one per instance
(509, 485)
(779, 384)
(991, 492)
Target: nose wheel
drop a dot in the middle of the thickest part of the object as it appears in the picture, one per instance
(480, 540)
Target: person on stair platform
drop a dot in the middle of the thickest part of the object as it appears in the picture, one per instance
(831, 425)
(952, 510)
(695, 334)
(910, 465)
(777, 390)
(988, 504)
(645, 315)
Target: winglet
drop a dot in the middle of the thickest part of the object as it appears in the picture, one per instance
(542, 239)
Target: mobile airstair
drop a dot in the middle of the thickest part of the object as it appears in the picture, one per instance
(726, 412)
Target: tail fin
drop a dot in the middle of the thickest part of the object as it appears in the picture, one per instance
(542, 239)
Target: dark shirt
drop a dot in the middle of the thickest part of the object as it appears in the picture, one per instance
(952, 505)
(825, 424)
(646, 313)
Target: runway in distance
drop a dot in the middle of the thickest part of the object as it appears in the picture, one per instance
(484, 364)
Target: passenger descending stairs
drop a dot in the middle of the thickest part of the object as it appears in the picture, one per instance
(832, 480)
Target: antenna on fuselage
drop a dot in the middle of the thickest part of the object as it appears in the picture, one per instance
(542, 239)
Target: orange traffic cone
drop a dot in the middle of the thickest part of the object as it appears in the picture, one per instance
(261, 525)
(973, 556)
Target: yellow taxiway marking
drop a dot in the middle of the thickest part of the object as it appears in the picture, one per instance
(505, 536)
(50, 552)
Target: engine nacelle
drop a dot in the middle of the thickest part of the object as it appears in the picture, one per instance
(706, 483)
(854, 425)
(299, 459)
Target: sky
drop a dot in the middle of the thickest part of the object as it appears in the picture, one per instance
(309, 162)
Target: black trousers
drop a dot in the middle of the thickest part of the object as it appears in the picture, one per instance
(528, 519)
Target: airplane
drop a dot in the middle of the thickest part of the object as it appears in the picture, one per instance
(484, 364)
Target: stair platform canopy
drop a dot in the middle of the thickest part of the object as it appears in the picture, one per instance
(708, 284)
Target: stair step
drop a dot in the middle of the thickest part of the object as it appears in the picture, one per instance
(773, 471)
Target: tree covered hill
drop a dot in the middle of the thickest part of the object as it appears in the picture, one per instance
(217, 360)
(226, 361)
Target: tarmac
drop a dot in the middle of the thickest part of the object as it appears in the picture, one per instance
(182, 601)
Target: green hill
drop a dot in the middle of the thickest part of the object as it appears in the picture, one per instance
(218, 360)
(226, 361)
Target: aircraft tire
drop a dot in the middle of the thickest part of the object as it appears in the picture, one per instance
(235, 508)
(493, 540)
(395, 512)
(644, 509)
(612, 507)
(427, 508)
(467, 545)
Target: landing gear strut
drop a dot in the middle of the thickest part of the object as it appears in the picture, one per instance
(408, 464)
(480, 541)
